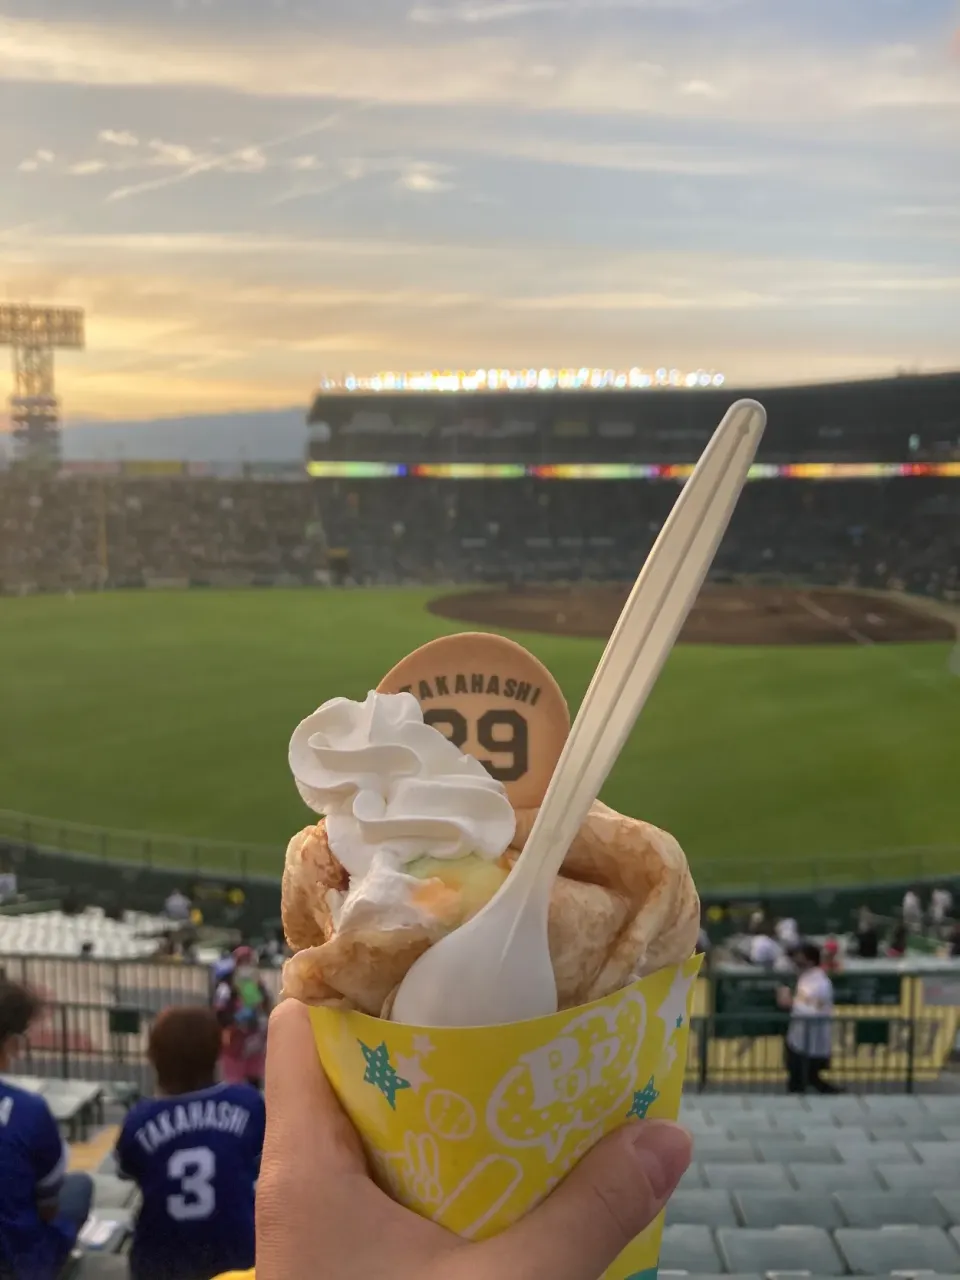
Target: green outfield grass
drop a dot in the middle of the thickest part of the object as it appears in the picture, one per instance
(170, 712)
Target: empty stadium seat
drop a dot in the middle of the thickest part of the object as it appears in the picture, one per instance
(924, 1129)
(768, 1209)
(689, 1248)
(864, 1151)
(100, 1266)
(902, 1249)
(745, 1177)
(692, 1178)
(937, 1153)
(916, 1177)
(701, 1207)
(834, 1177)
(112, 1193)
(950, 1200)
(787, 1152)
(728, 1150)
(793, 1249)
(888, 1208)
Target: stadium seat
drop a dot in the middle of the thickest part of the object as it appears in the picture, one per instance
(916, 1177)
(834, 1177)
(74, 1104)
(101, 1266)
(692, 1178)
(924, 1129)
(866, 1152)
(747, 1124)
(675, 1275)
(937, 1153)
(689, 1248)
(745, 1177)
(886, 1208)
(835, 1109)
(901, 1249)
(879, 1106)
(707, 1147)
(704, 1208)
(112, 1193)
(106, 1230)
(950, 1200)
(786, 1152)
(796, 1249)
(786, 1209)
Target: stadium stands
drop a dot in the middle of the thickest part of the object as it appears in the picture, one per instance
(884, 420)
(824, 1195)
(823, 1186)
(79, 533)
(52, 933)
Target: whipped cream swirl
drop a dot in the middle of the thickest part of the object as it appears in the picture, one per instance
(394, 788)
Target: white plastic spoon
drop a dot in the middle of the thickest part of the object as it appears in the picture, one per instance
(496, 968)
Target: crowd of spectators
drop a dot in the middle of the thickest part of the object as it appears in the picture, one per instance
(772, 941)
(79, 533)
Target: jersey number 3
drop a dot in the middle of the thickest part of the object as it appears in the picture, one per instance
(195, 1170)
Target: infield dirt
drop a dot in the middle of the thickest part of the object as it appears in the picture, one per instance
(723, 614)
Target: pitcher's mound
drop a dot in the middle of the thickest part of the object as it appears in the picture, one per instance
(722, 614)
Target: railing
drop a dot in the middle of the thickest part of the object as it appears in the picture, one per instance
(233, 859)
(142, 848)
(98, 1015)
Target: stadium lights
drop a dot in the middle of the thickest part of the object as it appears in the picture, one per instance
(522, 380)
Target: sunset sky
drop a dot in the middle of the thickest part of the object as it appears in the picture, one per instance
(245, 194)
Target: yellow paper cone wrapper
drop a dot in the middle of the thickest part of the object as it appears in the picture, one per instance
(472, 1127)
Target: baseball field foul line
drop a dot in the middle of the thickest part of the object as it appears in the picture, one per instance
(826, 616)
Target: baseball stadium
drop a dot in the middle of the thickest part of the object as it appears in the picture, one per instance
(165, 626)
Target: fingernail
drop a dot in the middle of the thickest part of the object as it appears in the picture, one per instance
(663, 1150)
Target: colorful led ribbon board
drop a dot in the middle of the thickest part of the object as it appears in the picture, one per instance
(623, 470)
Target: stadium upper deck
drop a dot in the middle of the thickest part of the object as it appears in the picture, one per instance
(903, 419)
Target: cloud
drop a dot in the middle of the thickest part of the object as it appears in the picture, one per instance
(86, 168)
(118, 138)
(489, 11)
(39, 158)
(786, 82)
(174, 154)
(425, 178)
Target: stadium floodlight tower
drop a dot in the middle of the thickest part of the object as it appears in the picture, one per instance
(34, 333)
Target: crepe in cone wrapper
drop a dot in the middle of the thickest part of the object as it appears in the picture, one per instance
(472, 1127)
(623, 906)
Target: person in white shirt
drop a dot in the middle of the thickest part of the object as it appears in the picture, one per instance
(941, 905)
(809, 1037)
(177, 907)
(765, 950)
(912, 911)
(788, 935)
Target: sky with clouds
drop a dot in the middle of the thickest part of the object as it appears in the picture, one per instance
(245, 194)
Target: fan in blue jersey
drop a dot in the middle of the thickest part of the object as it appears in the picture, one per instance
(194, 1151)
(42, 1207)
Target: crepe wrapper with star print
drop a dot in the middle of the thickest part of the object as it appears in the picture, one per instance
(472, 1127)
(623, 906)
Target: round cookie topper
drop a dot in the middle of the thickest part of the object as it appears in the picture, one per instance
(494, 700)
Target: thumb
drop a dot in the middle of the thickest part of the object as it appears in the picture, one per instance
(612, 1195)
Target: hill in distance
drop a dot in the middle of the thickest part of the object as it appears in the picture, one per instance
(266, 435)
